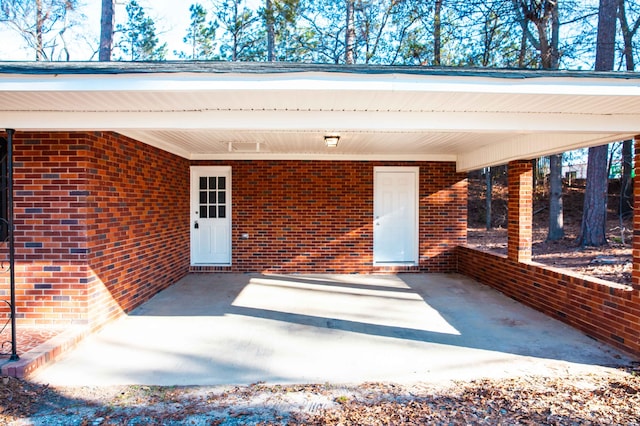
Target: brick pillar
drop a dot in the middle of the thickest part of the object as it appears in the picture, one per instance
(520, 211)
(635, 273)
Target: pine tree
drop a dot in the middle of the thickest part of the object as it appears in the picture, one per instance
(278, 16)
(139, 41)
(200, 35)
(240, 40)
(594, 213)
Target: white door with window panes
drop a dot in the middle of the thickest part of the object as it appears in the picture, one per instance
(210, 215)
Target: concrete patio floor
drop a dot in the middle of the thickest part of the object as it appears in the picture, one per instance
(211, 329)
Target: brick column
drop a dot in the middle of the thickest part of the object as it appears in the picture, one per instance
(520, 211)
(635, 273)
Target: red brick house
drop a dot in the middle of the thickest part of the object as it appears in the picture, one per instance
(129, 176)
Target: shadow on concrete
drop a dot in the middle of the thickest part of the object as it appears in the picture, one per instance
(211, 329)
(479, 317)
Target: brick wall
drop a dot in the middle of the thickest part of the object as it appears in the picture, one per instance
(137, 223)
(635, 273)
(603, 310)
(520, 210)
(101, 225)
(316, 216)
(49, 183)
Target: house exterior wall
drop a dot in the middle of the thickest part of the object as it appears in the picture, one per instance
(317, 216)
(101, 225)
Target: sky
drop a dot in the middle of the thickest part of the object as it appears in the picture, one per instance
(171, 18)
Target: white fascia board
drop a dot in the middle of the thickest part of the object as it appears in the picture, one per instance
(518, 123)
(530, 147)
(317, 81)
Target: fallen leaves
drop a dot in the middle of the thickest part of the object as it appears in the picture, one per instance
(586, 400)
(18, 398)
(550, 401)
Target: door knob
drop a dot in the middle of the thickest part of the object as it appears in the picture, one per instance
(196, 226)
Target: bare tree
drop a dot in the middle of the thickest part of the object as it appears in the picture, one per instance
(40, 23)
(544, 16)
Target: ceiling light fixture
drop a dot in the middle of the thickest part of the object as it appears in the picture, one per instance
(331, 141)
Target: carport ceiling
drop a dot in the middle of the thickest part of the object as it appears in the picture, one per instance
(283, 111)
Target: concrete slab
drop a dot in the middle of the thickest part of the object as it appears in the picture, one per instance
(212, 329)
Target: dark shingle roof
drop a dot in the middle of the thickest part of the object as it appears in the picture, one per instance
(213, 67)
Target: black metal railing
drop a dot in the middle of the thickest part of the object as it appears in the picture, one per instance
(7, 237)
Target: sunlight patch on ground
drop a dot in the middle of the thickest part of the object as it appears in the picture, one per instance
(362, 303)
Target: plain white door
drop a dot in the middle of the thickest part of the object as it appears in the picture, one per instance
(395, 225)
(210, 215)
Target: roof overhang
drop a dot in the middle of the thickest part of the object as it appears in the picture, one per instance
(199, 110)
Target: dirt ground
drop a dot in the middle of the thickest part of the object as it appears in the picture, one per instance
(591, 399)
(612, 262)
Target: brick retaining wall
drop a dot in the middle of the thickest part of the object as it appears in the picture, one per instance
(603, 310)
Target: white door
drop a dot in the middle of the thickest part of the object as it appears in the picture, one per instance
(210, 215)
(395, 225)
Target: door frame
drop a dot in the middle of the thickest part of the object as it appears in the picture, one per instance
(416, 226)
(194, 207)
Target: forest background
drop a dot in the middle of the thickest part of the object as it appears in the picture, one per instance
(555, 35)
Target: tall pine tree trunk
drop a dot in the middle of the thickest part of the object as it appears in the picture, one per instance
(271, 31)
(551, 59)
(593, 229)
(234, 34)
(594, 213)
(40, 56)
(350, 33)
(626, 181)
(437, 33)
(488, 197)
(106, 31)
(556, 215)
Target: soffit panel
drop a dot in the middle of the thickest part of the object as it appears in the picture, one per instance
(222, 142)
(317, 101)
